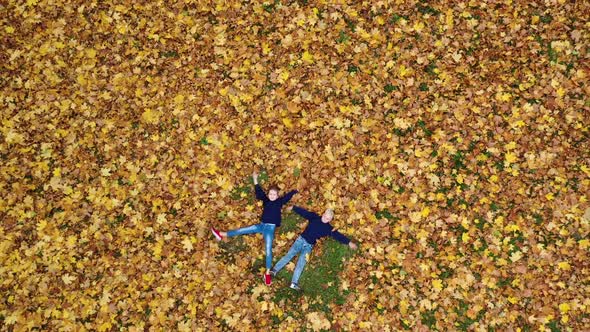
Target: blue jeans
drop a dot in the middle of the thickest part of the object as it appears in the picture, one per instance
(267, 231)
(300, 247)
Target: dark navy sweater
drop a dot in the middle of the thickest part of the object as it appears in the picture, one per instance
(316, 228)
(271, 210)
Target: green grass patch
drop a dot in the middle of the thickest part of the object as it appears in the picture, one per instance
(169, 54)
(464, 322)
(343, 37)
(390, 88)
(427, 318)
(385, 214)
(320, 279)
(291, 222)
(320, 282)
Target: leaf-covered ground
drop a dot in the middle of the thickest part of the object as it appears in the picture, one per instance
(451, 138)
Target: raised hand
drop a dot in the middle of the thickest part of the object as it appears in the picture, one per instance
(255, 177)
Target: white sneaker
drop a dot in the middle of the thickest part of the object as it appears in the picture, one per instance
(294, 286)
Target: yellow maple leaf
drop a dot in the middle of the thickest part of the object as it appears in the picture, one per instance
(418, 26)
(510, 146)
(437, 284)
(505, 96)
(510, 157)
(12, 137)
(564, 308)
(187, 244)
(150, 116)
(307, 57)
(105, 171)
(318, 321)
(517, 255)
(560, 92)
(157, 250)
(403, 71)
(425, 212)
(449, 19)
(283, 76)
(460, 178)
(12, 318)
(265, 48)
(564, 266)
(67, 279)
(41, 225)
(465, 237)
(179, 99)
(91, 53)
(287, 122)
(415, 217)
(106, 326)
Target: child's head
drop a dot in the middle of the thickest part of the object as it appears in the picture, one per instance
(273, 192)
(328, 216)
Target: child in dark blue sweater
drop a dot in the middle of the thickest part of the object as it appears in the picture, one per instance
(271, 219)
(318, 227)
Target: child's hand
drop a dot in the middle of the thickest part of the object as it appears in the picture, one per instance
(255, 177)
(290, 208)
(352, 245)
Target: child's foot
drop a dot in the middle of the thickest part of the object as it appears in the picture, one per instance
(267, 279)
(217, 234)
(294, 286)
(273, 273)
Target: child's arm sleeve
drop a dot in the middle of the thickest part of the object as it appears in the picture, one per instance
(260, 193)
(302, 212)
(340, 237)
(285, 199)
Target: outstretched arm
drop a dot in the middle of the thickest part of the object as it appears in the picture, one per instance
(303, 212)
(258, 189)
(340, 237)
(285, 199)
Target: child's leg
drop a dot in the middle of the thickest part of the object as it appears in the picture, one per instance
(301, 261)
(269, 234)
(245, 230)
(295, 248)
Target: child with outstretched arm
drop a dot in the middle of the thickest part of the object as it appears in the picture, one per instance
(270, 220)
(318, 227)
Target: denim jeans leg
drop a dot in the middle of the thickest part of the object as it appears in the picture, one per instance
(295, 248)
(301, 261)
(268, 234)
(245, 230)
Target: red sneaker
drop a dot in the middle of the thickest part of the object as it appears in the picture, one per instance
(267, 279)
(216, 234)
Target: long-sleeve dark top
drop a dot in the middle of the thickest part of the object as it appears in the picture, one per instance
(271, 210)
(316, 228)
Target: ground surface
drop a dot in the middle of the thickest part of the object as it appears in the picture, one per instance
(451, 138)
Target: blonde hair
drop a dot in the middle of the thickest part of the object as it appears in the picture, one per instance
(330, 211)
